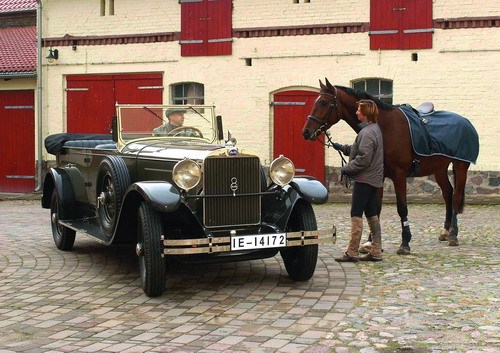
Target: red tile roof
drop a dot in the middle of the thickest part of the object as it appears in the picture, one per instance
(17, 5)
(18, 50)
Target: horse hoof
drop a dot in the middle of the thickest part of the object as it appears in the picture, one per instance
(403, 250)
(452, 242)
(365, 248)
(444, 235)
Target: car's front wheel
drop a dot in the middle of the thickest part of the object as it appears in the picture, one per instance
(300, 261)
(149, 249)
(64, 237)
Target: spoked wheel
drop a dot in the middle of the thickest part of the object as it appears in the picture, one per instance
(149, 249)
(64, 237)
(112, 182)
(300, 261)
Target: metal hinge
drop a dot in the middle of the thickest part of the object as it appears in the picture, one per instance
(288, 103)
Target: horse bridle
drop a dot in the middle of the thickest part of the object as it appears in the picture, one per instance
(322, 123)
(323, 129)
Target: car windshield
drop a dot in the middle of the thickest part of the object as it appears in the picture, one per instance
(152, 121)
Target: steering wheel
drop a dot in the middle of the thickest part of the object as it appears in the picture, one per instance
(195, 132)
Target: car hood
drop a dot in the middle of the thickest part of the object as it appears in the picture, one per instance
(171, 150)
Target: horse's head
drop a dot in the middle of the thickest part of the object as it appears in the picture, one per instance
(324, 114)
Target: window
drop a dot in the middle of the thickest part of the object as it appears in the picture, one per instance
(111, 7)
(188, 93)
(206, 27)
(381, 89)
(400, 24)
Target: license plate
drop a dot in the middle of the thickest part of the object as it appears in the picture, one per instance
(258, 241)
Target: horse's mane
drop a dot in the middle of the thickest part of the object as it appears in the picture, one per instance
(364, 95)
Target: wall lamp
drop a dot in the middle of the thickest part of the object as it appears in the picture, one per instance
(53, 55)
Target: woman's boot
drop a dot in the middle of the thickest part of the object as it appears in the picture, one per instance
(375, 253)
(351, 255)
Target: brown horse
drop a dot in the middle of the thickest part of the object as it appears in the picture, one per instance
(337, 103)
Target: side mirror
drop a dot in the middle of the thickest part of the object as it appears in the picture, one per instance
(114, 128)
(220, 133)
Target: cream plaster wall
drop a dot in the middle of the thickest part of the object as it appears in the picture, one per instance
(459, 74)
(14, 84)
(82, 18)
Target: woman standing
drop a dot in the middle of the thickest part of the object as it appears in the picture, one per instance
(366, 167)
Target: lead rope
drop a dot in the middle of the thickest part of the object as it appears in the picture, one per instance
(347, 181)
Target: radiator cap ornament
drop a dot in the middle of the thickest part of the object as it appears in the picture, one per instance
(233, 151)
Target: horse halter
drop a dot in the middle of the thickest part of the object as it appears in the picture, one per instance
(333, 105)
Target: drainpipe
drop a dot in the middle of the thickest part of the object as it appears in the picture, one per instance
(39, 162)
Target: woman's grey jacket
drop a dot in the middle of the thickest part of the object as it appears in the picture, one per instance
(366, 156)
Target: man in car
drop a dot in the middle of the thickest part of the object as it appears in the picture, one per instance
(175, 118)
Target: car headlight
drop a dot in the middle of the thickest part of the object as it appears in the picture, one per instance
(186, 174)
(281, 171)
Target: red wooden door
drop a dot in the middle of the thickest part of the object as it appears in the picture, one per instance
(291, 109)
(90, 102)
(91, 99)
(17, 141)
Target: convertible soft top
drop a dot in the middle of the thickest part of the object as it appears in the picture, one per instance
(54, 143)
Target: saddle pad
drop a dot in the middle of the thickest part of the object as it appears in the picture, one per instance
(442, 133)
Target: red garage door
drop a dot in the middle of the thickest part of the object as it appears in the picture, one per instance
(91, 98)
(291, 109)
(17, 141)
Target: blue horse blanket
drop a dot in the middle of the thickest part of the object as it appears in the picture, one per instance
(442, 133)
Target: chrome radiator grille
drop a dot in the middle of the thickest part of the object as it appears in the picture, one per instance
(223, 176)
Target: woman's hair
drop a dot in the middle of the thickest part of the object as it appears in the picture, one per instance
(369, 109)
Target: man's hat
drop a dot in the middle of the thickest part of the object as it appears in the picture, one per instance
(171, 111)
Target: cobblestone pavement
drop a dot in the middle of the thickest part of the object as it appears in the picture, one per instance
(439, 299)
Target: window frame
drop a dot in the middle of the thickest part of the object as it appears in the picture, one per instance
(384, 97)
(186, 98)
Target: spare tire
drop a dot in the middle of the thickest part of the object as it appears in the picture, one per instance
(112, 181)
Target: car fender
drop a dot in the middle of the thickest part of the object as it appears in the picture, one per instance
(161, 195)
(310, 189)
(59, 179)
(278, 209)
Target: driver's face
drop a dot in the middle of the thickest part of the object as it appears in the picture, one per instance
(176, 119)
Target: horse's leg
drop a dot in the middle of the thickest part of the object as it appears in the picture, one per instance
(367, 246)
(447, 191)
(460, 176)
(400, 189)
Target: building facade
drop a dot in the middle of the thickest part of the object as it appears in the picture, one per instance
(260, 62)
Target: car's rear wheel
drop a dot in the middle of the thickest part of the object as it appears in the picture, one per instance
(300, 261)
(112, 182)
(152, 267)
(64, 237)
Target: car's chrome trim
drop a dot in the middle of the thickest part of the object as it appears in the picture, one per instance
(223, 244)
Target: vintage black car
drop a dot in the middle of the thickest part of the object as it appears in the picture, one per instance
(187, 194)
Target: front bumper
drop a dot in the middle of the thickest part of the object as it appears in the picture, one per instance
(223, 244)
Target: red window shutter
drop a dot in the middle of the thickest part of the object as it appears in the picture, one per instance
(193, 28)
(417, 25)
(384, 27)
(400, 24)
(206, 27)
(220, 34)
